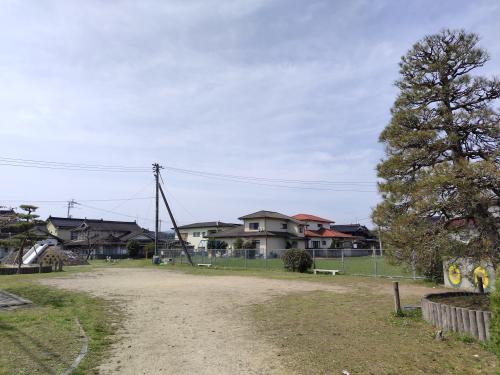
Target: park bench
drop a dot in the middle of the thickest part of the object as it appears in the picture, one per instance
(208, 265)
(333, 272)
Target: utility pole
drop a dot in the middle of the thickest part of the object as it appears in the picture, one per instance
(156, 170)
(71, 204)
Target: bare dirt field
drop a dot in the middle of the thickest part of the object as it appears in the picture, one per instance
(177, 323)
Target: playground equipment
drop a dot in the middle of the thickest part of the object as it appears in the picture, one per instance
(37, 250)
(463, 273)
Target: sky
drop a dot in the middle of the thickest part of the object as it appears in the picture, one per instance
(276, 89)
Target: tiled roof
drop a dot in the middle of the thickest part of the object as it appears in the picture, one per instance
(209, 224)
(326, 233)
(240, 232)
(109, 225)
(64, 222)
(269, 214)
(349, 228)
(307, 217)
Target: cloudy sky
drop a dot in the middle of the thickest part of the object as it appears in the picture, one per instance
(277, 89)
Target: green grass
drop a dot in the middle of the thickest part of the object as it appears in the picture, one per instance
(365, 265)
(44, 338)
(325, 333)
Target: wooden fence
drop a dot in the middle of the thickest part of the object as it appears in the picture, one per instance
(25, 270)
(475, 323)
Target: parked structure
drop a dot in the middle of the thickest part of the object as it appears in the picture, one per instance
(198, 234)
(319, 235)
(266, 231)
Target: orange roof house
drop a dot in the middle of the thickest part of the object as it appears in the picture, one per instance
(307, 217)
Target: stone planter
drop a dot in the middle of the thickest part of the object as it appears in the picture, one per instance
(475, 323)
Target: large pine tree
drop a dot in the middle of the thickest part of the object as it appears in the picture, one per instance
(441, 174)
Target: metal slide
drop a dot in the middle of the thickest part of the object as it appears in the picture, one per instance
(36, 250)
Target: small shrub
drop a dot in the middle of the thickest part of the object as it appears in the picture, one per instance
(297, 260)
(495, 315)
(133, 248)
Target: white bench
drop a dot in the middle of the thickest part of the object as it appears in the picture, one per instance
(208, 265)
(333, 272)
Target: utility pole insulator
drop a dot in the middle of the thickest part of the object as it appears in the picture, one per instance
(71, 204)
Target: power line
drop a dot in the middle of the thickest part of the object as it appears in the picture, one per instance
(42, 164)
(266, 179)
(79, 200)
(319, 185)
(115, 212)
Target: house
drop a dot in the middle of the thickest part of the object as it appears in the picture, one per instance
(265, 231)
(319, 235)
(63, 227)
(198, 234)
(104, 237)
(363, 237)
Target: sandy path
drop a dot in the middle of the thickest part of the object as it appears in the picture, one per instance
(185, 324)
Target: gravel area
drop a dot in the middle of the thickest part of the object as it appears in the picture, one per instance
(176, 323)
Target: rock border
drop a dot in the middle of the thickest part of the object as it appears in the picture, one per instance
(475, 323)
(83, 350)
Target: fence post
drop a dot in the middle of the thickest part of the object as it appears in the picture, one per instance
(246, 254)
(480, 284)
(266, 258)
(343, 262)
(397, 301)
(413, 264)
(314, 257)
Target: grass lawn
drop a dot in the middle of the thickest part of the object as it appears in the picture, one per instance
(325, 333)
(365, 265)
(44, 338)
(316, 332)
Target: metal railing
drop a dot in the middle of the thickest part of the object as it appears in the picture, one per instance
(363, 262)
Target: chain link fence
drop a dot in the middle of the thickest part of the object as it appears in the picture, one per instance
(363, 262)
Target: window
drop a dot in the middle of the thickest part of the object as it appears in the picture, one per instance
(320, 226)
(315, 244)
(323, 243)
(301, 229)
(203, 234)
(284, 226)
(74, 235)
(196, 234)
(253, 226)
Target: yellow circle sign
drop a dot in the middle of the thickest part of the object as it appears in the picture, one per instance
(454, 275)
(481, 272)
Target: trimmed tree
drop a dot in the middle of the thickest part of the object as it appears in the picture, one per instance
(297, 260)
(441, 171)
(133, 248)
(20, 229)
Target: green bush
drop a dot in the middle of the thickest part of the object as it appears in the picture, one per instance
(133, 248)
(495, 323)
(296, 260)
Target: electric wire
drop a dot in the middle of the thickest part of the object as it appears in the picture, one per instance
(325, 185)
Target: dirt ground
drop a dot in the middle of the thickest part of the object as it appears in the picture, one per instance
(177, 323)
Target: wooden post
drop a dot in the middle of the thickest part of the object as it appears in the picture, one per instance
(473, 323)
(480, 284)
(481, 330)
(487, 318)
(40, 267)
(397, 301)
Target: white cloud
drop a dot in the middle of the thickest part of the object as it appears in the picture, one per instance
(283, 89)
